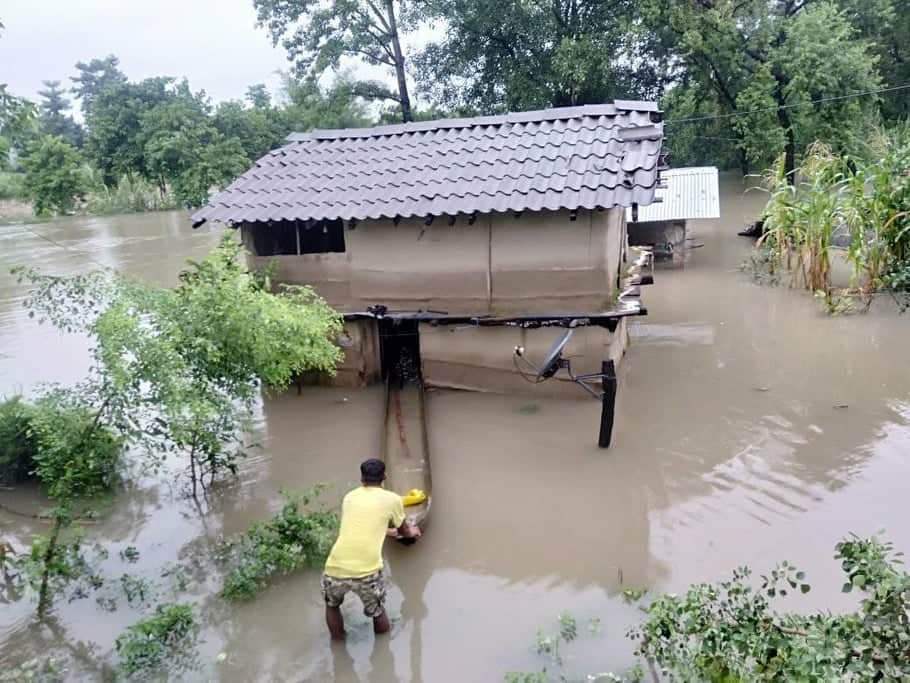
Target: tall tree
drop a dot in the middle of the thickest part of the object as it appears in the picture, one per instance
(258, 96)
(520, 54)
(886, 25)
(54, 118)
(115, 140)
(318, 34)
(772, 57)
(94, 76)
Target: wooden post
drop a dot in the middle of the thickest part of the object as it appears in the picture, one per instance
(608, 403)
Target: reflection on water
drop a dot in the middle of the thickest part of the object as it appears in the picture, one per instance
(750, 428)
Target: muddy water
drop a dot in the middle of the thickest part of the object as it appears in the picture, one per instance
(750, 429)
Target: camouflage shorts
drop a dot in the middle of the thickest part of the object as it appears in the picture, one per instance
(370, 589)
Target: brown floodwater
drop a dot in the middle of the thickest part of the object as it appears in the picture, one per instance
(750, 429)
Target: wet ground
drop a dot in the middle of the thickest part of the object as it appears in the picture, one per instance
(750, 429)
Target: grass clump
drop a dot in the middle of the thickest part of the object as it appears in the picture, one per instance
(146, 645)
(293, 539)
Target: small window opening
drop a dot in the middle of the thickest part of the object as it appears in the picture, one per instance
(322, 237)
(275, 239)
(290, 238)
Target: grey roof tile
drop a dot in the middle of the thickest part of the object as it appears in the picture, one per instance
(595, 156)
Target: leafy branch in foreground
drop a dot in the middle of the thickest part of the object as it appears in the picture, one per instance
(293, 539)
(729, 632)
(179, 370)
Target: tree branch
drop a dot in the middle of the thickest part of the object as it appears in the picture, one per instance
(382, 17)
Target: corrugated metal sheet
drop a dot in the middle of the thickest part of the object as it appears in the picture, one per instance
(684, 194)
(589, 157)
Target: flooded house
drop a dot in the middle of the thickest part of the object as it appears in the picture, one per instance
(683, 194)
(446, 244)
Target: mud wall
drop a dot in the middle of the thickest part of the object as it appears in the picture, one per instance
(482, 358)
(360, 366)
(533, 263)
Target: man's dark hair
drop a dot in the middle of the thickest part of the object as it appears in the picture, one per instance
(372, 471)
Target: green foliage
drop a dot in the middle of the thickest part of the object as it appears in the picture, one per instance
(129, 195)
(94, 77)
(53, 118)
(55, 439)
(17, 442)
(18, 119)
(146, 646)
(12, 185)
(53, 180)
(775, 57)
(180, 369)
(867, 200)
(317, 36)
(77, 457)
(311, 106)
(115, 142)
(258, 128)
(729, 632)
(535, 55)
(293, 539)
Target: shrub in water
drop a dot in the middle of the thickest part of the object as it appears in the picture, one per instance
(293, 539)
(147, 644)
(17, 442)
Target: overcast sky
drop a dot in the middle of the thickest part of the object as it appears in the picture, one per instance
(214, 43)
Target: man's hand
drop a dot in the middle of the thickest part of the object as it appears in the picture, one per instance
(392, 533)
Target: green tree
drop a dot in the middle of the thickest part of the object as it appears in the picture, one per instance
(115, 141)
(885, 24)
(317, 35)
(214, 165)
(258, 96)
(53, 178)
(517, 55)
(182, 147)
(94, 77)
(54, 119)
(259, 129)
(311, 106)
(179, 370)
(775, 56)
(18, 119)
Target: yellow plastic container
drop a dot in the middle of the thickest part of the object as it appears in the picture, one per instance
(413, 497)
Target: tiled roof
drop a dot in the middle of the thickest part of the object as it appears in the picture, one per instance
(595, 156)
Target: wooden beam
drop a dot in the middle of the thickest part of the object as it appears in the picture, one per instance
(607, 404)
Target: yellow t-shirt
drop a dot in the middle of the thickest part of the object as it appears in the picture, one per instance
(365, 516)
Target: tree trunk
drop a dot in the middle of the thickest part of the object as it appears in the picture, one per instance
(43, 597)
(403, 97)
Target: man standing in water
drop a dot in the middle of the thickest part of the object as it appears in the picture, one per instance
(368, 514)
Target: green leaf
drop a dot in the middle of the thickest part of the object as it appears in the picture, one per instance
(846, 588)
(859, 580)
(805, 588)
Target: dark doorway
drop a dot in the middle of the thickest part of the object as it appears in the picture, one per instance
(399, 349)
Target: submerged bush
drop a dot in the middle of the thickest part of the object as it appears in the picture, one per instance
(42, 439)
(293, 539)
(146, 644)
(17, 442)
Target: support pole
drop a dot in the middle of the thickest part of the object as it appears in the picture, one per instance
(608, 403)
